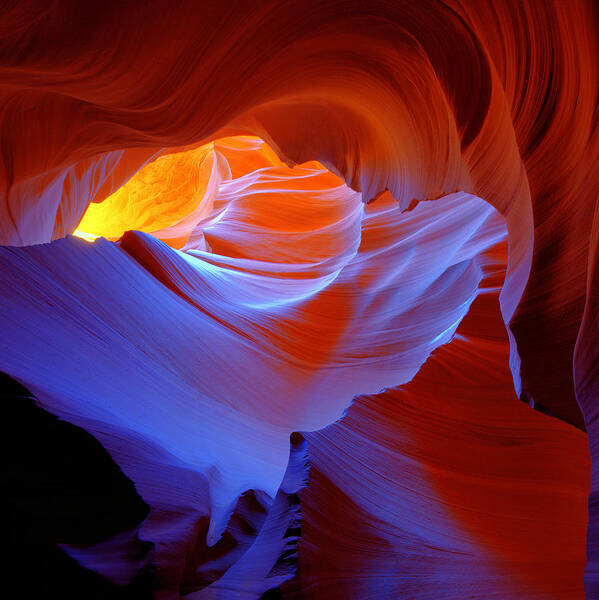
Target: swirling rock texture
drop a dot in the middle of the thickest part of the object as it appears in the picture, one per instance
(374, 223)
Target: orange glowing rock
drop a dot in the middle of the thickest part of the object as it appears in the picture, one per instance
(162, 193)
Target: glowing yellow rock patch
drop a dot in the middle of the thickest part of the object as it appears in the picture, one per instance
(157, 197)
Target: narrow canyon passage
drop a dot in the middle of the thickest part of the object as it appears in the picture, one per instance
(301, 303)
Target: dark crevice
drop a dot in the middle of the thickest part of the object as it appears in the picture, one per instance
(62, 487)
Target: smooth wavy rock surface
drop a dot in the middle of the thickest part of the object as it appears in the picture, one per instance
(459, 490)
(206, 362)
(291, 206)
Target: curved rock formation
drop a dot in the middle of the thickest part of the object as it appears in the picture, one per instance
(245, 293)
